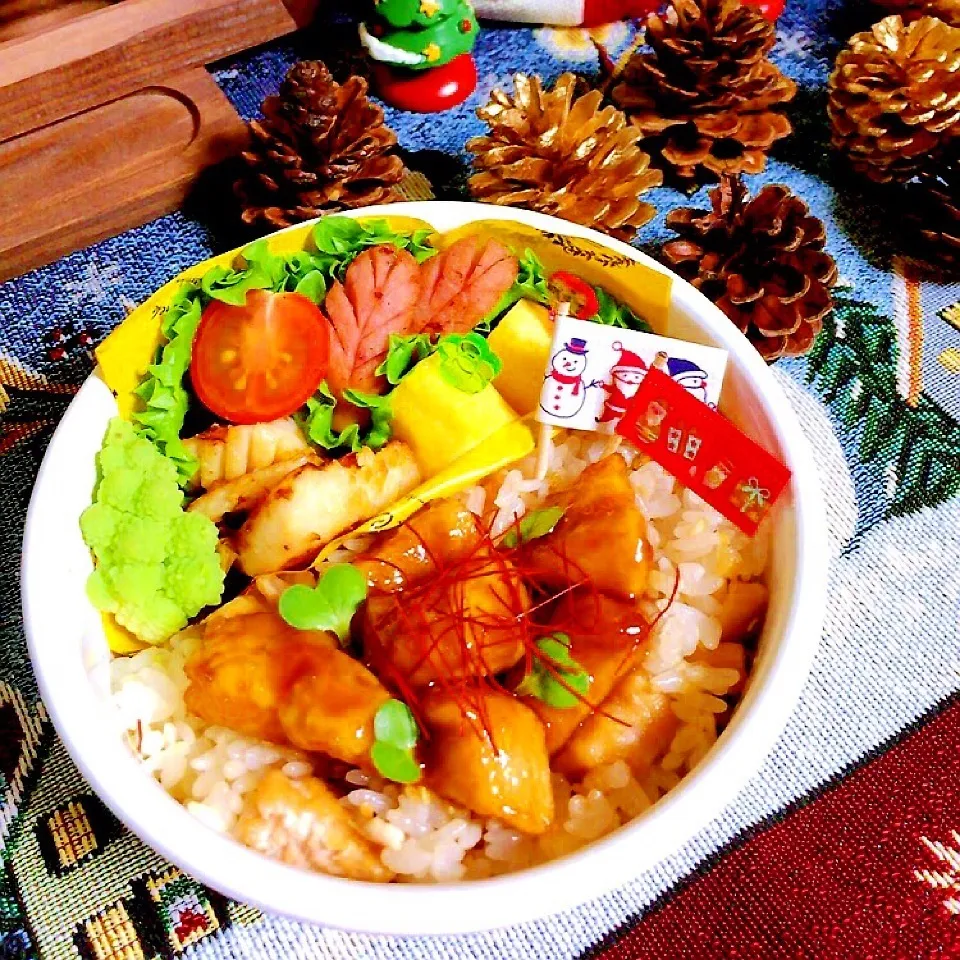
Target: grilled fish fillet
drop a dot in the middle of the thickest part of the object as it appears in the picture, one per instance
(316, 503)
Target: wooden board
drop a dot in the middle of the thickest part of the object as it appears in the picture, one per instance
(107, 116)
(110, 168)
(112, 51)
(20, 18)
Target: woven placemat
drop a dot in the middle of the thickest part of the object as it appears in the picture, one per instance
(844, 845)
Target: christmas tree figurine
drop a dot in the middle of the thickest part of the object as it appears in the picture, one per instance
(421, 52)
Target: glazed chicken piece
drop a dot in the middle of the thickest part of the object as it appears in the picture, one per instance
(225, 453)
(444, 529)
(509, 779)
(600, 535)
(607, 638)
(301, 822)
(314, 504)
(246, 666)
(644, 735)
(265, 679)
(330, 709)
(454, 626)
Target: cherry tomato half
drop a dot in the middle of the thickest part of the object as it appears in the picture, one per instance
(262, 360)
(565, 287)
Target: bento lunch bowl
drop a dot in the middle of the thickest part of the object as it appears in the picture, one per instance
(70, 658)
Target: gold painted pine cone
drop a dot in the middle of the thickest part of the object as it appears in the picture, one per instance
(320, 147)
(761, 261)
(705, 97)
(894, 96)
(560, 153)
(946, 10)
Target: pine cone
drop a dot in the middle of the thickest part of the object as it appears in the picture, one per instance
(703, 98)
(761, 261)
(559, 153)
(946, 10)
(932, 203)
(894, 96)
(321, 147)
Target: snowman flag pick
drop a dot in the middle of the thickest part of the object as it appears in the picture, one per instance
(661, 395)
(594, 370)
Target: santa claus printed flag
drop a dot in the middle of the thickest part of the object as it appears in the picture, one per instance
(594, 370)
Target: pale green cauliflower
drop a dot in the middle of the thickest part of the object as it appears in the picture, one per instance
(156, 565)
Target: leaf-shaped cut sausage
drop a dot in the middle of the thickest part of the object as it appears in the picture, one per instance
(463, 284)
(378, 297)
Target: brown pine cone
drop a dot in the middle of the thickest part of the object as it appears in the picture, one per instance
(703, 98)
(932, 203)
(761, 261)
(561, 154)
(321, 147)
(946, 10)
(894, 96)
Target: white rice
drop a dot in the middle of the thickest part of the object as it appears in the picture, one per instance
(419, 835)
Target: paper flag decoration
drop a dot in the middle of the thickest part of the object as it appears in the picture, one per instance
(704, 451)
(594, 370)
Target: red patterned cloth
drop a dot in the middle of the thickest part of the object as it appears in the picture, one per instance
(866, 871)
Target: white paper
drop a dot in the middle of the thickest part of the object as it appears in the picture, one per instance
(561, 12)
(594, 370)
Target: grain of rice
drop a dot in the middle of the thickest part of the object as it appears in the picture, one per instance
(373, 799)
(386, 834)
(295, 769)
(475, 500)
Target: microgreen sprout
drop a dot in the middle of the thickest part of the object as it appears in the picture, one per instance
(557, 687)
(395, 732)
(537, 523)
(330, 605)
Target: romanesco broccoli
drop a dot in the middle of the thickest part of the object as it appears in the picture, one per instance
(157, 565)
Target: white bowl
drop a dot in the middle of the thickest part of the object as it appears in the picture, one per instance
(69, 656)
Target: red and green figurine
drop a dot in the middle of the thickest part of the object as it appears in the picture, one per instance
(421, 52)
